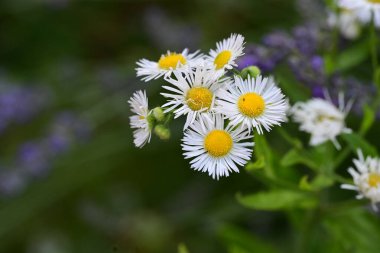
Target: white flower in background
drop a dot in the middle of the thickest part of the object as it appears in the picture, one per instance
(215, 149)
(193, 93)
(139, 121)
(254, 102)
(346, 21)
(322, 119)
(363, 9)
(227, 51)
(169, 62)
(366, 178)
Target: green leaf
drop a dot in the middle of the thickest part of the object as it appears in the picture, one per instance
(353, 230)
(356, 142)
(278, 199)
(258, 164)
(304, 183)
(264, 153)
(318, 183)
(291, 86)
(295, 156)
(352, 56)
(368, 119)
(240, 241)
(182, 248)
(322, 181)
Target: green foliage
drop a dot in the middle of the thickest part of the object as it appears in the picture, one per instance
(352, 56)
(353, 230)
(239, 241)
(278, 200)
(356, 142)
(182, 248)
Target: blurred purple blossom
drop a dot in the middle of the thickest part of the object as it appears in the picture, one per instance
(300, 51)
(19, 104)
(35, 158)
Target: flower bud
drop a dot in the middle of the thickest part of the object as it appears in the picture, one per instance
(158, 114)
(252, 71)
(162, 132)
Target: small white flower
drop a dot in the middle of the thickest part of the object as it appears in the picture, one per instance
(193, 93)
(322, 119)
(254, 102)
(366, 178)
(169, 62)
(227, 51)
(216, 149)
(363, 9)
(139, 106)
(347, 23)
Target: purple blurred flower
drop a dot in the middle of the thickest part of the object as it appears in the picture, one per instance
(35, 158)
(20, 104)
(317, 63)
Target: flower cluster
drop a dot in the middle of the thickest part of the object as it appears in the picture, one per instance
(222, 111)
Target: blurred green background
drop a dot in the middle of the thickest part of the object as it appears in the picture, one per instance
(103, 194)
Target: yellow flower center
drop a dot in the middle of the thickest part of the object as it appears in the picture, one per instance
(218, 143)
(251, 104)
(374, 179)
(199, 98)
(222, 59)
(170, 61)
(374, 1)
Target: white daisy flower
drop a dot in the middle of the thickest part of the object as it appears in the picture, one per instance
(253, 102)
(193, 93)
(366, 178)
(363, 9)
(346, 21)
(227, 51)
(322, 119)
(216, 149)
(139, 106)
(169, 62)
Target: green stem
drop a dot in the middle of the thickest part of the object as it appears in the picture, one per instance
(375, 63)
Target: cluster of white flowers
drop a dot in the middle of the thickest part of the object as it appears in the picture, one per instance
(364, 10)
(224, 108)
(222, 111)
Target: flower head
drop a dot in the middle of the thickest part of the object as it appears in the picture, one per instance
(346, 21)
(139, 121)
(227, 51)
(193, 93)
(322, 119)
(366, 178)
(216, 149)
(364, 9)
(167, 63)
(254, 102)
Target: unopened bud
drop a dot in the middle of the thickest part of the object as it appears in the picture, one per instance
(162, 132)
(251, 71)
(158, 114)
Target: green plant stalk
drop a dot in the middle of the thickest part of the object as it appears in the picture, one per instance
(375, 62)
